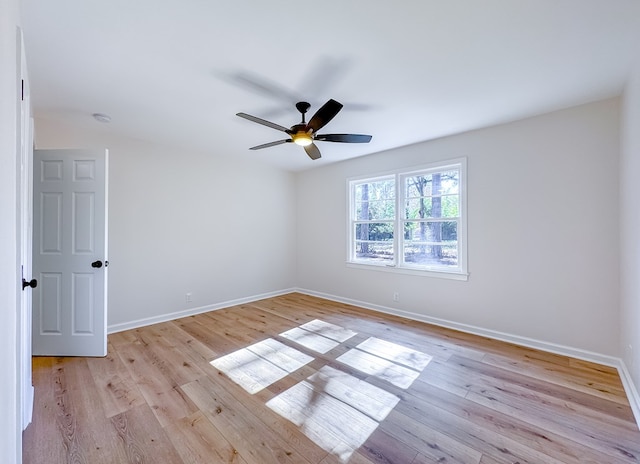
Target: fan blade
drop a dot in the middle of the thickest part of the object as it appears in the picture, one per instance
(345, 138)
(325, 114)
(264, 122)
(312, 151)
(270, 144)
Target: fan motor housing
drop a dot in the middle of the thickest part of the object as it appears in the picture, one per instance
(303, 107)
(298, 128)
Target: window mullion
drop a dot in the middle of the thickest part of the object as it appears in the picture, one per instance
(400, 214)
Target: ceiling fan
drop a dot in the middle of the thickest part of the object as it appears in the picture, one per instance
(305, 133)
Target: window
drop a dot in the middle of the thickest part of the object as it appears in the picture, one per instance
(411, 221)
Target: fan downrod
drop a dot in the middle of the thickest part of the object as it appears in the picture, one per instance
(303, 107)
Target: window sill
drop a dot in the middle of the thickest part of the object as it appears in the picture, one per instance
(452, 275)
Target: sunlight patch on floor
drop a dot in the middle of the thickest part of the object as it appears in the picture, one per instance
(359, 394)
(261, 364)
(388, 361)
(397, 353)
(318, 335)
(335, 410)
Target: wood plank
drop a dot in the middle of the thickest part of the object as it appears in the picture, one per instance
(42, 436)
(382, 448)
(118, 391)
(78, 411)
(332, 424)
(205, 331)
(199, 442)
(310, 340)
(254, 442)
(600, 412)
(501, 442)
(447, 377)
(157, 384)
(589, 382)
(616, 443)
(450, 409)
(527, 380)
(142, 437)
(254, 319)
(354, 458)
(393, 373)
(258, 366)
(194, 351)
(430, 441)
(373, 401)
(398, 354)
(226, 390)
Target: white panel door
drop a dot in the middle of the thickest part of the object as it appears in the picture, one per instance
(70, 252)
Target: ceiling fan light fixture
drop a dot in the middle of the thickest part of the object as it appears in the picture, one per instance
(302, 138)
(305, 133)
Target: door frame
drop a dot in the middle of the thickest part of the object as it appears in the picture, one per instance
(25, 196)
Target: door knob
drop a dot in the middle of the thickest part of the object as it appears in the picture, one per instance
(33, 283)
(97, 264)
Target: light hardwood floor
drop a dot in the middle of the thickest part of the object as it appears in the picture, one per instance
(297, 379)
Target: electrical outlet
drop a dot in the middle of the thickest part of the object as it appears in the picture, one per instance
(396, 296)
(188, 297)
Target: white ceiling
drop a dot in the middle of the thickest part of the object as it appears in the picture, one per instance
(407, 71)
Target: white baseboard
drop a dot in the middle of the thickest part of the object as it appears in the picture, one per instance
(631, 389)
(192, 311)
(611, 361)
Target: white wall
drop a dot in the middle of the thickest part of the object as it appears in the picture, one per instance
(630, 228)
(542, 231)
(182, 221)
(10, 436)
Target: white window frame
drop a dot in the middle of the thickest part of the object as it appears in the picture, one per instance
(398, 266)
